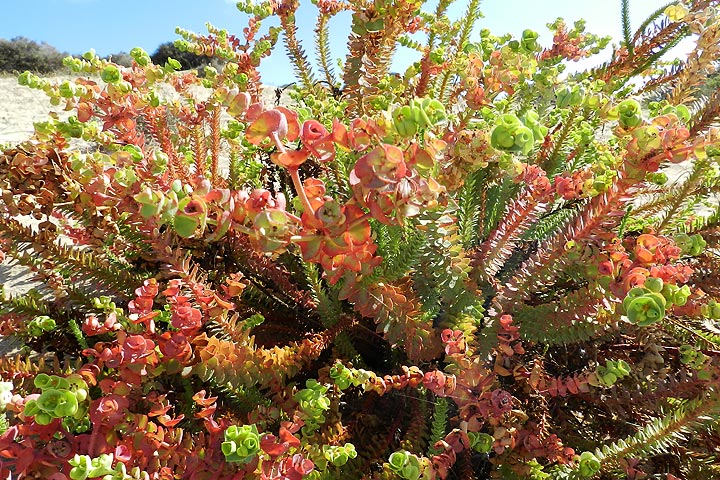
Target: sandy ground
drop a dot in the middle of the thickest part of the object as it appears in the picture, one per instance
(20, 106)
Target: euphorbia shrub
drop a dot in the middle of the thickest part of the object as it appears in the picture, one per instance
(477, 268)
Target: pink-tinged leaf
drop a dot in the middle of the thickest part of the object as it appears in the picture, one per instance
(312, 131)
(359, 138)
(239, 104)
(324, 150)
(200, 399)
(157, 410)
(268, 123)
(420, 157)
(220, 195)
(553, 388)
(318, 140)
(393, 154)
(378, 214)
(291, 116)
(314, 187)
(572, 385)
(583, 387)
(254, 111)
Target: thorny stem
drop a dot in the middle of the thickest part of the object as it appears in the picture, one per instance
(692, 332)
(639, 347)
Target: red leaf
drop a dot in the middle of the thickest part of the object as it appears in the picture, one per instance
(270, 445)
(288, 438)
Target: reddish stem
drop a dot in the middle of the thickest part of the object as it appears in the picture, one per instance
(295, 177)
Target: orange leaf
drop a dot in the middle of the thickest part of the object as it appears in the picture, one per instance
(290, 158)
(85, 111)
(169, 421)
(206, 412)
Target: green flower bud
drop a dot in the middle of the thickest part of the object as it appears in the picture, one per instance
(681, 295)
(43, 418)
(501, 138)
(173, 64)
(589, 464)
(568, 96)
(530, 119)
(658, 178)
(654, 284)
(66, 89)
(529, 41)
(24, 78)
(684, 242)
(698, 245)
(404, 122)
(511, 135)
(101, 465)
(241, 443)
(339, 455)
(648, 138)
(524, 139)
(110, 74)
(434, 110)
(140, 56)
(81, 467)
(58, 403)
(481, 442)
(42, 380)
(629, 113)
(682, 113)
(31, 408)
(78, 386)
(341, 375)
(711, 310)
(622, 368)
(405, 465)
(89, 55)
(687, 354)
(605, 376)
(646, 309)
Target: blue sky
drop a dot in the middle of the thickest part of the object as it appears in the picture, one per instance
(75, 26)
